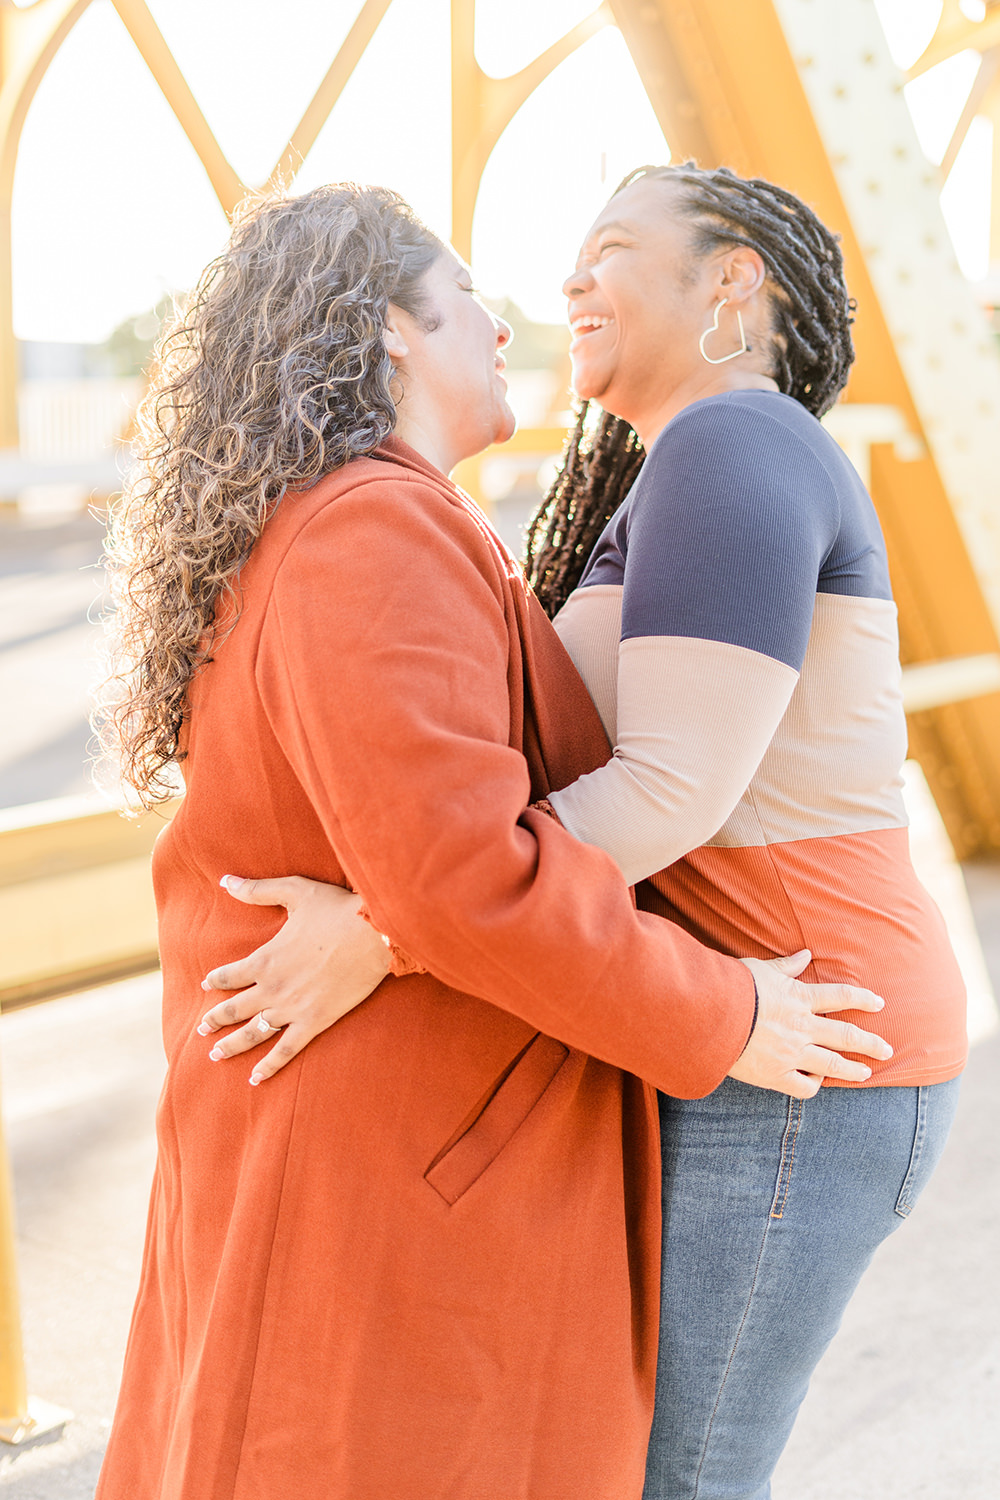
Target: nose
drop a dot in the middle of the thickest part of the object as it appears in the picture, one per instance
(577, 282)
(504, 332)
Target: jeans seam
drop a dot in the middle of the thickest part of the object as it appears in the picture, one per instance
(729, 1363)
(789, 1141)
(793, 1118)
(904, 1203)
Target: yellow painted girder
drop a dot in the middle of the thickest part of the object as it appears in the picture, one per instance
(955, 33)
(483, 107)
(29, 39)
(148, 38)
(76, 901)
(320, 107)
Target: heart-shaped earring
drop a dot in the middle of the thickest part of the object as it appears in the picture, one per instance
(744, 346)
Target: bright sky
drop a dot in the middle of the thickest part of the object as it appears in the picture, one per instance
(112, 208)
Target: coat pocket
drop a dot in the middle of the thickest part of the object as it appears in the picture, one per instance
(496, 1117)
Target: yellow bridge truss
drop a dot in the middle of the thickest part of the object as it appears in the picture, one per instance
(798, 91)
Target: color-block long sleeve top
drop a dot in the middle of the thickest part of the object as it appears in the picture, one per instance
(736, 629)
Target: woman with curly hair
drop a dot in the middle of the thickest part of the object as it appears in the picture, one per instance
(717, 573)
(424, 1260)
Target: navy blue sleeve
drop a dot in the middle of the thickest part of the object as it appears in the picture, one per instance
(729, 525)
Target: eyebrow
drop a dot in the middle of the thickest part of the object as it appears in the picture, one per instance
(612, 224)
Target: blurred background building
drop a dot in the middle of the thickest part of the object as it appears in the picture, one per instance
(131, 129)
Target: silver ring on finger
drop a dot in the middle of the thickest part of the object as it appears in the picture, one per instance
(265, 1026)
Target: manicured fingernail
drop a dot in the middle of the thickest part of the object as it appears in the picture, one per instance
(888, 1051)
(231, 882)
(216, 1054)
(254, 1080)
(204, 1029)
(867, 1071)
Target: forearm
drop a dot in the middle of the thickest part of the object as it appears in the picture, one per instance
(694, 719)
(550, 934)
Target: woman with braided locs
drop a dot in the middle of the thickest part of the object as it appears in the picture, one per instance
(716, 571)
(711, 530)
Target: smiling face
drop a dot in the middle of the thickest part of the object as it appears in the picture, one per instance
(641, 298)
(451, 367)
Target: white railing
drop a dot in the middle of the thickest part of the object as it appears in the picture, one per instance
(67, 421)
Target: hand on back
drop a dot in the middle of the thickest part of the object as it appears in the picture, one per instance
(322, 963)
(794, 1044)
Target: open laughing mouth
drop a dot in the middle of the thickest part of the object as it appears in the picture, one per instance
(590, 323)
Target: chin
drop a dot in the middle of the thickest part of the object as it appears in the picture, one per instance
(506, 427)
(586, 384)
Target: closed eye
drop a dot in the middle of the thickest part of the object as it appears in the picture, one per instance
(595, 255)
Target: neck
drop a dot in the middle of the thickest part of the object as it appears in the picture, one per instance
(423, 435)
(651, 421)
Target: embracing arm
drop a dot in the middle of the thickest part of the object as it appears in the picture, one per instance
(384, 670)
(722, 544)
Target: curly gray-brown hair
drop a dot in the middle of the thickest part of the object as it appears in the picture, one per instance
(274, 374)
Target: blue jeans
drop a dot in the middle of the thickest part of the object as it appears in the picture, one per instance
(772, 1209)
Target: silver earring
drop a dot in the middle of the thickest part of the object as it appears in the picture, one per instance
(744, 346)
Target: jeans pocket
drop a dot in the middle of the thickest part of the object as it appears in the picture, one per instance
(935, 1110)
(496, 1118)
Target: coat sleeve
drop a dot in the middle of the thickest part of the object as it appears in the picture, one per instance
(383, 667)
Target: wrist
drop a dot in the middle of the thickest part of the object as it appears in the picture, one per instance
(753, 1022)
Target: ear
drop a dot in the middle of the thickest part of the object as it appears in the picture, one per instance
(395, 341)
(743, 273)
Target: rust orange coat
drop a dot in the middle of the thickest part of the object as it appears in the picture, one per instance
(422, 1262)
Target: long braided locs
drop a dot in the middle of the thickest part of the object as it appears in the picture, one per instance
(812, 352)
(597, 471)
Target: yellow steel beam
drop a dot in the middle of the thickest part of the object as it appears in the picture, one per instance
(13, 1382)
(991, 109)
(228, 185)
(29, 39)
(955, 33)
(23, 1418)
(976, 104)
(319, 108)
(681, 76)
(76, 900)
(482, 107)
